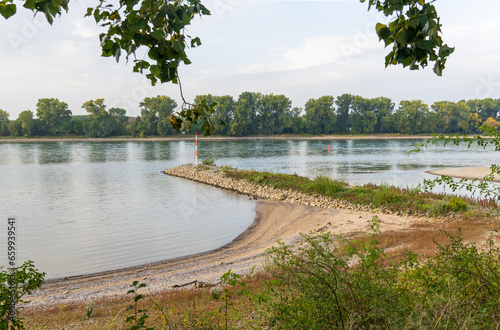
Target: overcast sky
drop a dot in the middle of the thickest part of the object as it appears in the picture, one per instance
(302, 49)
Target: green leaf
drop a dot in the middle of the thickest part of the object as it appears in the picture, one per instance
(195, 42)
(177, 46)
(438, 68)
(445, 51)
(427, 45)
(30, 4)
(403, 36)
(384, 33)
(7, 10)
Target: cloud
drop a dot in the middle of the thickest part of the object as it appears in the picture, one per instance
(314, 51)
(82, 28)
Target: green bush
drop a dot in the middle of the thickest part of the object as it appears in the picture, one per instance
(327, 282)
(457, 204)
(439, 208)
(208, 161)
(14, 284)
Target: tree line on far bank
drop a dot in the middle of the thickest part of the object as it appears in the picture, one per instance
(260, 114)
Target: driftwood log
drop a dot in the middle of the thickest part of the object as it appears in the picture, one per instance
(322, 228)
(196, 284)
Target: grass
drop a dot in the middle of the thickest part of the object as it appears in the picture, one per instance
(170, 309)
(404, 200)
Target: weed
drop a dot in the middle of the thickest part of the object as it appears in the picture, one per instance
(208, 161)
(215, 293)
(138, 317)
(14, 284)
(457, 204)
(89, 308)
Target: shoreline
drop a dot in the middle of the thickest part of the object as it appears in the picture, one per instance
(220, 138)
(277, 217)
(274, 220)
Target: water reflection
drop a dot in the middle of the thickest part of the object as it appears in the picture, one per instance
(28, 153)
(54, 153)
(106, 152)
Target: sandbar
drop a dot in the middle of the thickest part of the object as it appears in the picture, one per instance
(466, 173)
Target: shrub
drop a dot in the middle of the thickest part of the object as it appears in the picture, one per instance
(215, 293)
(457, 204)
(439, 208)
(327, 282)
(208, 161)
(14, 284)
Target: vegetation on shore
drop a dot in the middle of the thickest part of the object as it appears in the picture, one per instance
(258, 114)
(401, 200)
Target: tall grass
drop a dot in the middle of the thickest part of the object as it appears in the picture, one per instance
(404, 200)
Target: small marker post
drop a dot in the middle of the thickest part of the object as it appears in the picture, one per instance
(196, 147)
(328, 148)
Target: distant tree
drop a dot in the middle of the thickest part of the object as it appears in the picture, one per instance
(155, 112)
(26, 123)
(4, 123)
(474, 123)
(245, 114)
(411, 117)
(363, 117)
(15, 128)
(99, 122)
(344, 107)
(136, 127)
(119, 118)
(490, 122)
(383, 107)
(297, 124)
(53, 114)
(460, 116)
(320, 116)
(77, 124)
(485, 108)
(442, 115)
(274, 114)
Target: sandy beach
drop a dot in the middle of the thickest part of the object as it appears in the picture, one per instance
(466, 172)
(275, 220)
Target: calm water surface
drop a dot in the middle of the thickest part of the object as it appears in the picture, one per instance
(84, 207)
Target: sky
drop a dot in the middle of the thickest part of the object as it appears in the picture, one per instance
(302, 49)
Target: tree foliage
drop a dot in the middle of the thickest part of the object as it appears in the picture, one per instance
(4, 123)
(53, 114)
(414, 34)
(155, 112)
(100, 122)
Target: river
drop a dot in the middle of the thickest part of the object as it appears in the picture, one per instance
(84, 207)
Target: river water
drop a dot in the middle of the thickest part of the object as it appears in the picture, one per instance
(84, 207)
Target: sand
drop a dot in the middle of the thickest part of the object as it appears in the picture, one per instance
(466, 173)
(274, 220)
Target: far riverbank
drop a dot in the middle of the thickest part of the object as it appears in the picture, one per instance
(218, 138)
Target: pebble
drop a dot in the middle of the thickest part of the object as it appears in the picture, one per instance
(215, 176)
